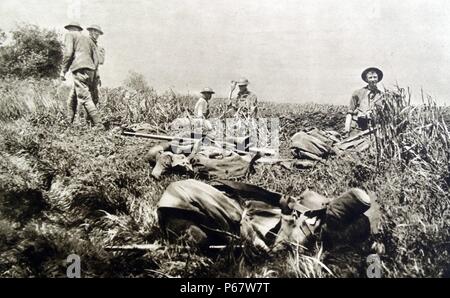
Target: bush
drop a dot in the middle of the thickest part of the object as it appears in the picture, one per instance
(75, 190)
(33, 52)
(2, 37)
(136, 82)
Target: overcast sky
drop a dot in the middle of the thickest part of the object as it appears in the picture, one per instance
(297, 51)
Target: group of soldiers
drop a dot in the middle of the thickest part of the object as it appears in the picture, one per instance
(83, 55)
(359, 116)
(243, 105)
(209, 214)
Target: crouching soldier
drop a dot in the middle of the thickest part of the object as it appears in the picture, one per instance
(81, 58)
(363, 101)
(245, 103)
(201, 111)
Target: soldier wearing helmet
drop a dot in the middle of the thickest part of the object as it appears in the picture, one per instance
(246, 101)
(94, 33)
(81, 59)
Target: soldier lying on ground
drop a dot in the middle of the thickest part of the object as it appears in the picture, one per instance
(232, 212)
(196, 157)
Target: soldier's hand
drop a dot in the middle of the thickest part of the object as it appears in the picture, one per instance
(233, 85)
(231, 106)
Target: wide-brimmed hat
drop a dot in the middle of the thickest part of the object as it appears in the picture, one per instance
(207, 90)
(73, 24)
(243, 82)
(372, 69)
(96, 28)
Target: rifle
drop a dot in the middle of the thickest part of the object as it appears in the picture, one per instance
(155, 247)
(360, 135)
(238, 143)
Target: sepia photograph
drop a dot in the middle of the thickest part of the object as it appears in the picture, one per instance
(208, 140)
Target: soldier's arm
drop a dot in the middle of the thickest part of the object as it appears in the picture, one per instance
(253, 104)
(68, 53)
(101, 55)
(230, 97)
(95, 55)
(354, 103)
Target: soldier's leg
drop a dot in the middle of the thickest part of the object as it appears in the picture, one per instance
(94, 95)
(94, 90)
(83, 84)
(72, 104)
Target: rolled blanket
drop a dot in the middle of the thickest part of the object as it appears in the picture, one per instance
(306, 145)
(219, 164)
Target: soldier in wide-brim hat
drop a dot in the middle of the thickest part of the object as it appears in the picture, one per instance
(207, 91)
(201, 109)
(372, 70)
(74, 25)
(95, 28)
(94, 33)
(363, 101)
(242, 82)
(79, 60)
(246, 101)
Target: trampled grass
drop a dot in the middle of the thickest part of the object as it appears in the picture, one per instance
(72, 189)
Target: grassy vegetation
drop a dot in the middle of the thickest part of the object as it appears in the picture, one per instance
(71, 189)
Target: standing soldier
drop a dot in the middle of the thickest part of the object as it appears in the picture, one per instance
(363, 101)
(94, 33)
(73, 29)
(81, 58)
(245, 104)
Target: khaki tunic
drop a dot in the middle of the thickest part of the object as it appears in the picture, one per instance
(362, 101)
(247, 103)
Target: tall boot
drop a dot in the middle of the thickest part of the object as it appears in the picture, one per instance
(92, 112)
(72, 106)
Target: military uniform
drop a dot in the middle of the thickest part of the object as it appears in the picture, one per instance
(246, 103)
(361, 105)
(97, 80)
(363, 101)
(81, 58)
(201, 108)
(101, 60)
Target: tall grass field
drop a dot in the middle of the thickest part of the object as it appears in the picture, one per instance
(72, 189)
